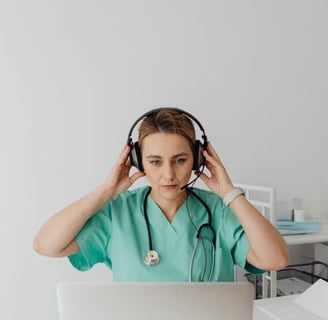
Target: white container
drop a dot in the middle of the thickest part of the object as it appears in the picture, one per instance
(298, 215)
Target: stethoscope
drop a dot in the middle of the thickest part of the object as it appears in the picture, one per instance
(152, 258)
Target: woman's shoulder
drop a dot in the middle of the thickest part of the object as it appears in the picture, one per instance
(217, 207)
(127, 203)
(131, 195)
(207, 196)
(204, 192)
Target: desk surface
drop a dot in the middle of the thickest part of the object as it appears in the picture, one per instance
(281, 308)
(315, 237)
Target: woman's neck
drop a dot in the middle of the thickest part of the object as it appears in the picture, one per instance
(169, 206)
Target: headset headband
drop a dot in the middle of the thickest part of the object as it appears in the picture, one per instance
(154, 111)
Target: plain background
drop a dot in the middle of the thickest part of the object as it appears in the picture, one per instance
(74, 75)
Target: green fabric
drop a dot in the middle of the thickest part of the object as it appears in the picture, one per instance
(117, 236)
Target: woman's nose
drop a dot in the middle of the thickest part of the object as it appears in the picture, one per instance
(168, 171)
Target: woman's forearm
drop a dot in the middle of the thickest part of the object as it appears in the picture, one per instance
(59, 231)
(268, 248)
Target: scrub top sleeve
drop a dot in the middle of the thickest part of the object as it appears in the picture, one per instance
(240, 252)
(93, 240)
(238, 242)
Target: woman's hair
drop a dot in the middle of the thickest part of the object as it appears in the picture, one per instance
(168, 120)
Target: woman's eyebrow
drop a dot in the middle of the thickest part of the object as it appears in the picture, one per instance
(182, 154)
(154, 156)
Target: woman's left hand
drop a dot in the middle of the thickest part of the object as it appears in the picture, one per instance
(218, 181)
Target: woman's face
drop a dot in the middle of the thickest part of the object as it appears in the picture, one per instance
(167, 160)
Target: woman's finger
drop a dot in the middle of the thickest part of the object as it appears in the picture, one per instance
(124, 155)
(212, 152)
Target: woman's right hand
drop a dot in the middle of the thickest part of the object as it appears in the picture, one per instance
(118, 179)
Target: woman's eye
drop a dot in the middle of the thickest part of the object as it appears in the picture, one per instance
(155, 162)
(181, 160)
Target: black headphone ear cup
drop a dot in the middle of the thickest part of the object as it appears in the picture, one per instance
(199, 159)
(135, 156)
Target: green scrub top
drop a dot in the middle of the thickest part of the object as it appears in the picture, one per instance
(117, 236)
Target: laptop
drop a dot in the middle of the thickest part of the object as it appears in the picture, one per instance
(158, 301)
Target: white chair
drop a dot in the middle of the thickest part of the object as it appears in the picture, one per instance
(263, 198)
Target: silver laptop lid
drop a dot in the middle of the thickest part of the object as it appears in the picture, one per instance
(158, 301)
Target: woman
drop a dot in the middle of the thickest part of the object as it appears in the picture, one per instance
(165, 231)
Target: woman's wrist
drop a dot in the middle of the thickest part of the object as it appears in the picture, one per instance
(230, 196)
(224, 191)
(105, 194)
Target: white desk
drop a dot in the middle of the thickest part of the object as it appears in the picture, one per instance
(281, 308)
(315, 237)
(296, 239)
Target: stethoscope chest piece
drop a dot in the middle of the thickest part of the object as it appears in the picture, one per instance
(151, 258)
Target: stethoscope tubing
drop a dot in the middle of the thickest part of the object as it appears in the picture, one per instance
(152, 258)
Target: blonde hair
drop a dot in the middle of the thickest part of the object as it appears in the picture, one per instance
(168, 120)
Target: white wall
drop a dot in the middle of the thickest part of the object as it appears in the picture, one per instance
(74, 75)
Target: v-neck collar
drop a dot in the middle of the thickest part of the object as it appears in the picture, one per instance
(190, 212)
(158, 219)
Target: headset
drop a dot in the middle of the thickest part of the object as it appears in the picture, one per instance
(135, 151)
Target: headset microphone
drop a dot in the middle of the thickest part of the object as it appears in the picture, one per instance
(193, 180)
(188, 184)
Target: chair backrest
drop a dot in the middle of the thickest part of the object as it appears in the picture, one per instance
(262, 198)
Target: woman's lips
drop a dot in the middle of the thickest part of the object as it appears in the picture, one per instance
(169, 186)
